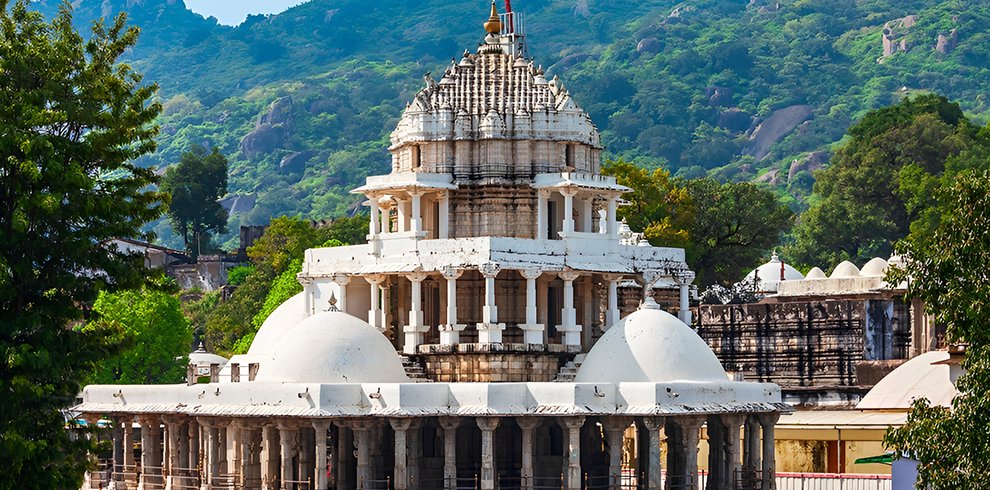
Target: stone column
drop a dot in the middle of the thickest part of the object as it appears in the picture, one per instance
(345, 451)
(375, 317)
(376, 219)
(733, 445)
(342, 281)
(450, 334)
(654, 471)
(173, 464)
(541, 214)
(212, 464)
(612, 309)
(232, 446)
(320, 428)
(527, 424)
(490, 330)
(128, 448)
(573, 477)
(449, 426)
(415, 329)
(401, 214)
(147, 453)
(244, 460)
(587, 208)
(269, 456)
(612, 227)
(488, 426)
(193, 440)
(414, 451)
(400, 426)
(568, 210)
(568, 315)
(615, 427)
(751, 456)
(444, 215)
(533, 332)
(118, 450)
(687, 448)
(684, 281)
(769, 476)
(287, 449)
(362, 436)
(416, 220)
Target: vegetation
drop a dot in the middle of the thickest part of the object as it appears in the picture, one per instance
(74, 120)
(679, 84)
(196, 184)
(947, 269)
(152, 326)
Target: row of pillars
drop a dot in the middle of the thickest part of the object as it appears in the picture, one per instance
(283, 458)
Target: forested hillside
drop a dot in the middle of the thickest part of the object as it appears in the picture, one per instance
(302, 102)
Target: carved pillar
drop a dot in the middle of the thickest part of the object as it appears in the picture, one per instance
(573, 476)
(320, 428)
(568, 210)
(612, 226)
(415, 329)
(172, 451)
(416, 220)
(362, 437)
(450, 333)
(732, 447)
(653, 471)
(490, 330)
(128, 448)
(269, 456)
(449, 426)
(400, 426)
(769, 476)
(375, 317)
(147, 453)
(615, 427)
(684, 281)
(527, 424)
(587, 208)
(568, 315)
(401, 214)
(444, 218)
(488, 426)
(686, 448)
(612, 309)
(342, 281)
(533, 332)
(287, 450)
(212, 464)
(541, 214)
(751, 456)
(376, 219)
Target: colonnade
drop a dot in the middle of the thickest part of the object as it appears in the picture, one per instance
(289, 454)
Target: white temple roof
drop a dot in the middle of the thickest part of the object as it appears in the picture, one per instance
(770, 274)
(333, 347)
(651, 345)
(280, 321)
(920, 377)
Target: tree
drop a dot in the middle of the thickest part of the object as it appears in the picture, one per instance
(73, 122)
(153, 327)
(859, 208)
(657, 205)
(946, 267)
(196, 184)
(735, 224)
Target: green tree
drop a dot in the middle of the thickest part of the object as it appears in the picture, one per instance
(157, 335)
(657, 205)
(859, 208)
(946, 268)
(196, 184)
(72, 123)
(735, 225)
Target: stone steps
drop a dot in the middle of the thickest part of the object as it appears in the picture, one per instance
(568, 372)
(413, 370)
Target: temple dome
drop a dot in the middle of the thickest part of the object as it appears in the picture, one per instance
(280, 321)
(925, 376)
(845, 270)
(816, 273)
(770, 274)
(650, 345)
(875, 267)
(333, 347)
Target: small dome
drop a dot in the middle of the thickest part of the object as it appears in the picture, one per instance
(816, 273)
(845, 270)
(286, 316)
(918, 378)
(334, 347)
(650, 345)
(875, 267)
(769, 274)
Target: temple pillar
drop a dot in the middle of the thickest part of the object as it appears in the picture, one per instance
(612, 225)
(416, 219)
(320, 428)
(212, 466)
(686, 449)
(375, 317)
(129, 468)
(402, 215)
(751, 455)
(415, 329)
(172, 452)
(342, 281)
(399, 427)
(376, 219)
(533, 332)
(147, 453)
(541, 214)
(612, 309)
(527, 424)
(769, 473)
(587, 208)
(287, 450)
(684, 281)
(615, 427)
(568, 315)
(654, 473)
(269, 456)
(733, 445)
(449, 426)
(193, 440)
(573, 476)
(490, 330)
(414, 452)
(450, 333)
(568, 211)
(488, 426)
(716, 453)
(118, 452)
(362, 437)
(443, 219)
(244, 453)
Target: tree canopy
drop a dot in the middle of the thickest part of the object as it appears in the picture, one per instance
(196, 184)
(73, 122)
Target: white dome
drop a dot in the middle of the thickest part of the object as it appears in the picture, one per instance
(816, 273)
(845, 270)
(286, 316)
(650, 345)
(770, 274)
(915, 379)
(875, 267)
(333, 347)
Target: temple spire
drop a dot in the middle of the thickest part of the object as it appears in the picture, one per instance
(494, 25)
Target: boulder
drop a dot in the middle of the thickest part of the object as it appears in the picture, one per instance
(769, 178)
(272, 130)
(775, 128)
(650, 45)
(810, 162)
(295, 162)
(735, 119)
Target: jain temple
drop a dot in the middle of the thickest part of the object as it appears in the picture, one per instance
(476, 340)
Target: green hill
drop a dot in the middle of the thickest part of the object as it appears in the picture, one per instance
(303, 101)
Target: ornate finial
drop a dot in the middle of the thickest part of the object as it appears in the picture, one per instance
(493, 26)
(201, 347)
(333, 303)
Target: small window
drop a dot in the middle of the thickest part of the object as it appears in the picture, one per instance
(417, 157)
(569, 157)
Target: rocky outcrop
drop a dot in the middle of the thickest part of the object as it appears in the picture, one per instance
(735, 119)
(775, 128)
(719, 96)
(295, 162)
(771, 177)
(650, 45)
(895, 35)
(272, 130)
(239, 203)
(569, 61)
(811, 162)
(946, 43)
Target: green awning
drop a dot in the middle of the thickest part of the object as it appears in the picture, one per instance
(883, 459)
